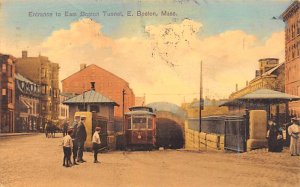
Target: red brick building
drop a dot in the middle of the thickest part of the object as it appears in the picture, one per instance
(7, 96)
(291, 17)
(106, 83)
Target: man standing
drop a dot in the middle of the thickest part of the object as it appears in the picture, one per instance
(294, 131)
(74, 138)
(81, 137)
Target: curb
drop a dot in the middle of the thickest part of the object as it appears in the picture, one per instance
(16, 134)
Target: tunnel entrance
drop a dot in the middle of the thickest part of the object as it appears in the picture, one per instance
(169, 134)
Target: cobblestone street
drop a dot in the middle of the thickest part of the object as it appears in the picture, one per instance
(37, 161)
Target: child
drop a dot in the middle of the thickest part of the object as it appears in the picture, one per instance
(96, 143)
(67, 147)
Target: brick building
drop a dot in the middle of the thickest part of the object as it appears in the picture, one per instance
(27, 108)
(7, 96)
(270, 75)
(291, 17)
(45, 73)
(106, 83)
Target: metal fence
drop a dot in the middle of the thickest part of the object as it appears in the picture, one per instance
(214, 124)
(236, 133)
(234, 128)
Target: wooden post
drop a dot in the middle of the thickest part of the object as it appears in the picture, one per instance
(123, 108)
(287, 112)
(277, 114)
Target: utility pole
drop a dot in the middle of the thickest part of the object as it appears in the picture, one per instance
(123, 110)
(200, 99)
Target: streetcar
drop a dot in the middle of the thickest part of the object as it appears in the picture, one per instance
(140, 128)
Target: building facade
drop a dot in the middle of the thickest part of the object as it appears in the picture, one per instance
(7, 96)
(45, 73)
(108, 84)
(27, 108)
(271, 75)
(63, 109)
(291, 17)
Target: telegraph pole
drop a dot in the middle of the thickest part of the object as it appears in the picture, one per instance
(200, 99)
(123, 110)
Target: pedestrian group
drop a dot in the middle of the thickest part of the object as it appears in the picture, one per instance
(275, 136)
(73, 142)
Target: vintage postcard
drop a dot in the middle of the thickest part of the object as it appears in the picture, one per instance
(149, 93)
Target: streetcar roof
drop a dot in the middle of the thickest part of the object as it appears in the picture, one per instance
(141, 108)
(140, 112)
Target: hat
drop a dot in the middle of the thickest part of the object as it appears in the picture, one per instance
(294, 119)
(70, 131)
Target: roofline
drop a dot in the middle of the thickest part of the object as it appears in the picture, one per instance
(97, 67)
(267, 75)
(9, 56)
(74, 103)
(295, 5)
(263, 59)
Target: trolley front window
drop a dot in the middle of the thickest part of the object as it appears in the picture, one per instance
(139, 123)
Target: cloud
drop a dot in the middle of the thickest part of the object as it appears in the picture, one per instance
(165, 64)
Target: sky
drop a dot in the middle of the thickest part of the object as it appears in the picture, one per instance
(158, 55)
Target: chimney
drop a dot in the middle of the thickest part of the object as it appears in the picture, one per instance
(24, 54)
(82, 66)
(236, 87)
(93, 86)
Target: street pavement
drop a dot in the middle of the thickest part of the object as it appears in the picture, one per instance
(37, 161)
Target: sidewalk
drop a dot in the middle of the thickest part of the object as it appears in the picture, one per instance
(4, 135)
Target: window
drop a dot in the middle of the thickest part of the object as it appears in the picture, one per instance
(9, 70)
(3, 68)
(44, 108)
(44, 89)
(82, 107)
(94, 108)
(3, 91)
(150, 122)
(43, 73)
(10, 96)
(139, 123)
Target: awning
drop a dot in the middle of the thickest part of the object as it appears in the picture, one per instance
(263, 96)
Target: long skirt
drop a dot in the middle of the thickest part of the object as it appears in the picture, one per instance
(295, 146)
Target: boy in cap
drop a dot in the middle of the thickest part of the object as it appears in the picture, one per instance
(67, 148)
(96, 143)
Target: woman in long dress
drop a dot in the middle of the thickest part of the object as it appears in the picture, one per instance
(274, 136)
(294, 131)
